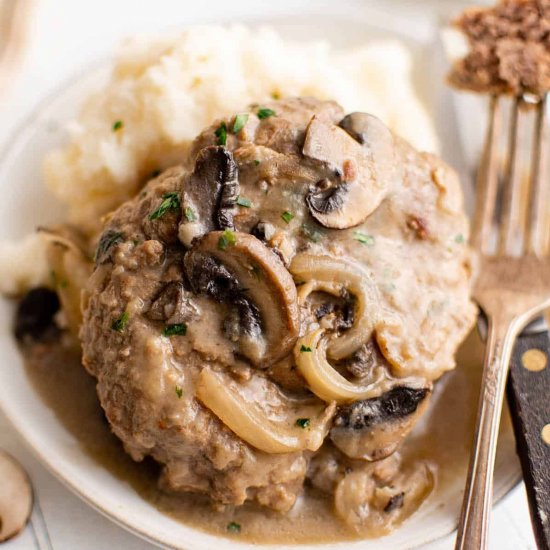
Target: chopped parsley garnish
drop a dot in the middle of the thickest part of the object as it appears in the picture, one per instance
(311, 233)
(459, 238)
(179, 391)
(171, 201)
(265, 113)
(226, 239)
(243, 201)
(257, 162)
(257, 272)
(120, 324)
(305, 349)
(177, 329)
(108, 239)
(239, 124)
(221, 133)
(303, 423)
(189, 214)
(61, 283)
(118, 125)
(363, 238)
(233, 527)
(287, 216)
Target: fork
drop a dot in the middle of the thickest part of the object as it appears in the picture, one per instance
(512, 287)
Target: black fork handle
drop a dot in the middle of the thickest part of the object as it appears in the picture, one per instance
(529, 398)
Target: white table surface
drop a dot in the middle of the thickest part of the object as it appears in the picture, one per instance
(64, 36)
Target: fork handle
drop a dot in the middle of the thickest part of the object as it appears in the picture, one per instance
(529, 399)
(478, 495)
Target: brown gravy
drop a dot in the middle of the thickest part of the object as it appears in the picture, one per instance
(443, 437)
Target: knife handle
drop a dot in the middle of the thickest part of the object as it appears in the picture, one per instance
(529, 400)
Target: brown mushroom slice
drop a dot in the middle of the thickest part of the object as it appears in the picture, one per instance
(238, 269)
(335, 276)
(361, 184)
(374, 505)
(70, 268)
(374, 428)
(16, 497)
(262, 415)
(209, 194)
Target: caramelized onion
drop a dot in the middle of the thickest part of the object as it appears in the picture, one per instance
(71, 269)
(325, 381)
(260, 414)
(335, 276)
(373, 505)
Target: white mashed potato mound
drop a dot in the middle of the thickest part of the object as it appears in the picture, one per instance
(165, 90)
(23, 265)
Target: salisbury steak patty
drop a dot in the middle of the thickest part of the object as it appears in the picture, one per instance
(291, 237)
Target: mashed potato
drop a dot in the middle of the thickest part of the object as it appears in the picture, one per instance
(164, 90)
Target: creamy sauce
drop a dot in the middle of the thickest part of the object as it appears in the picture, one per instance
(443, 437)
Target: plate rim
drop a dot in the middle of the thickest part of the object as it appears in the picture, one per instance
(14, 142)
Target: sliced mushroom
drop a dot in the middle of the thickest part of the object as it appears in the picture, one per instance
(172, 305)
(34, 318)
(373, 429)
(337, 276)
(363, 174)
(252, 280)
(263, 416)
(15, 497)
(209, 194)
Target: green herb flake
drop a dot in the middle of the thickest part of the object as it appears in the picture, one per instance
(305, 349)
(240, 122)
(221, 133)
(459, 239)
(108, 240)
(118, 125)
(303, 423)
(171, 201)
(179, 391)
(287, 216)
(120, 324)
(57, 281)
(257, 162)
(363, 238)
(177, 329)
(189, 214)
(243, 201)
(226, 239)
(265, 113)
(311, 233)
(257, 272)
(233, 527)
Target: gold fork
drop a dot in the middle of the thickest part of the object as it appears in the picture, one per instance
(512, 288)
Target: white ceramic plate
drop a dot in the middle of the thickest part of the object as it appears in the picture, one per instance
(25, 204)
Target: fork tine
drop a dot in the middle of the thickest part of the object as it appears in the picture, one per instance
(487, 181)
(537, 217)
(510, 221)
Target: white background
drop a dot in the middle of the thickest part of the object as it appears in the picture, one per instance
(64, 36)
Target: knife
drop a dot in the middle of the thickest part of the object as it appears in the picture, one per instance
(529, 401)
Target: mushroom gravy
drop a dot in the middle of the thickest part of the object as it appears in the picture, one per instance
(443, 436)
(268, 320)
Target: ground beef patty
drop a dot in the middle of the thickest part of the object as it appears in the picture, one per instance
(509, 48)
(194, 276)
